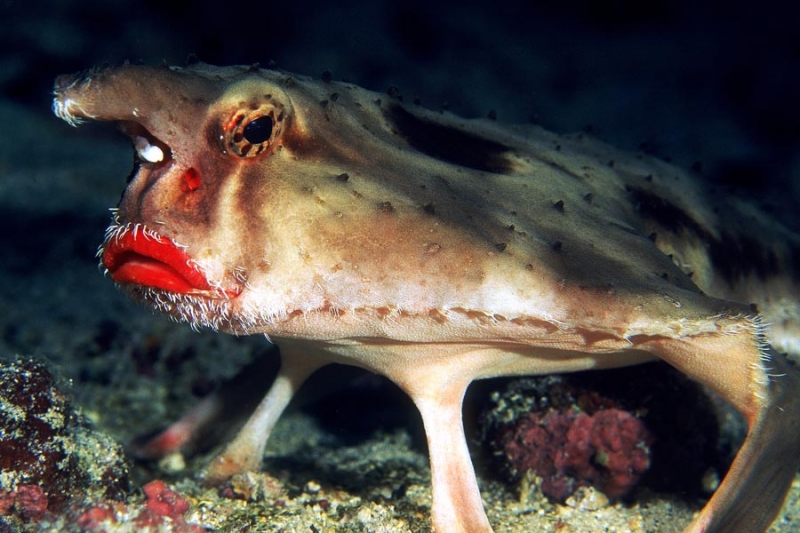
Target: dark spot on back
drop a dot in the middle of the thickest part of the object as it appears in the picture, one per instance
(343, 177)
(733, 255)
(559, 205)
(448, 143)
(386, 207)
(664, 213)
(738, 256)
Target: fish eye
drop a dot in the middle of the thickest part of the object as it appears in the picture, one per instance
(252, 132)
(258, 130)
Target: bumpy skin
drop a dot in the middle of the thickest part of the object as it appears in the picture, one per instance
(437, 251)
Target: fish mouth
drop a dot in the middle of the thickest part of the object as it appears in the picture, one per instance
(141, 257)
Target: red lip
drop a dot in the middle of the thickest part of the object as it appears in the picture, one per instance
(143, 260)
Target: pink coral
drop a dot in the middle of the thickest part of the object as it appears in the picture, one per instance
(163, 501)
(568, 449)
(94, 517)
(163, 509)
(163, 504)
(29, 502)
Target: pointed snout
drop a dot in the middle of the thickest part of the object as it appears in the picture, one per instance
(161, 99)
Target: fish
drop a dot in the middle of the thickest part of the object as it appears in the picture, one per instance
(350, 227)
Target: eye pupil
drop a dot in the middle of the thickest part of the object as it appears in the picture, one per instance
(258, 131)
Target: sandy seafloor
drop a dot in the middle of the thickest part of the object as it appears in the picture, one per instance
(693, 83)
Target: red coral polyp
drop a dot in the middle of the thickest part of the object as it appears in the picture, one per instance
(568, 449)
(163, 501)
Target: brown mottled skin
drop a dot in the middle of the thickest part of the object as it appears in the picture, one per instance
(436, 251)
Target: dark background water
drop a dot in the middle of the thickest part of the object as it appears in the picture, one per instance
(694, 80)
